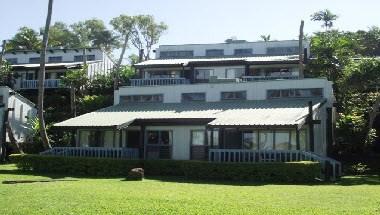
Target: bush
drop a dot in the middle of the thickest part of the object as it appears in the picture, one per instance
(265, 172)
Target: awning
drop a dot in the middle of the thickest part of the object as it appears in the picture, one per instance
(290, 113)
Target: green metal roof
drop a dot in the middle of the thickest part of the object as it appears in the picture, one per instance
(233, 113)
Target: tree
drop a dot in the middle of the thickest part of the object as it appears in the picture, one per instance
(265, 38)
(25, 39)
(41, 78)
(60, 36)
(76, 80)
(146, 33)
(326, 16)
(124, 26)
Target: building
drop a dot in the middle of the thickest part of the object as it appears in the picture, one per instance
(16, 111)
(189, 104)
(26, 64)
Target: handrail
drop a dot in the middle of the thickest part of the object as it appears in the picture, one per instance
(158, 81)
(100, 152)
(33, 84)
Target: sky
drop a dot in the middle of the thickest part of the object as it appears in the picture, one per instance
(198, 21)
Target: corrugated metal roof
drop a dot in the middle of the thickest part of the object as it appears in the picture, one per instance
(186, 62)
(266, 112)
(63, 64)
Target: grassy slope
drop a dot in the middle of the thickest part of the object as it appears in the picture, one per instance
(353, 195)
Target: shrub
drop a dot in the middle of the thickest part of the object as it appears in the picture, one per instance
(265, 172)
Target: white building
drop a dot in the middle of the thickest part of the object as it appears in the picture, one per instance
(16, 111)
(26, 64)
(221, 108)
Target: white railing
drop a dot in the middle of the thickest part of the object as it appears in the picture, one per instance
(33, 84)
(262, 78)
(158, 81)
(98, 152)
(256, 156)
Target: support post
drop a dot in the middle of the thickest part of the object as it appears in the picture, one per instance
(311, 126)
(142, 142)
(298, 139)
(221, 138)
(300, 40)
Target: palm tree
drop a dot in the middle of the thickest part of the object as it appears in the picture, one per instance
(41, 79)
(326, 16)
(265, 38)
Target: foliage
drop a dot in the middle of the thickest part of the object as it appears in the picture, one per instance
(6, 74)
(359, 169)
(265, 38)
(93, 102)
(76, 78)
(173, 195)
(279, 172)
(126, 73)
(25, 39)
(326, 16)
(60, 36)
(101, 84)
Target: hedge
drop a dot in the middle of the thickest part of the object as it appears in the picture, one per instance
(265, 172)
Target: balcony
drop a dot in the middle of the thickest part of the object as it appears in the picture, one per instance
(266, 78)
(33, 84)
(158, 81)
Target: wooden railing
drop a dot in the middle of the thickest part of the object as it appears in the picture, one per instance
(262, 78)
(98, 152)
(33, 84)
(256, 156)
(158, 81)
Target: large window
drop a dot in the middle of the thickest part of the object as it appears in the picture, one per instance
(282, 50)
(243, 52)
(141, 98)
(34, 60)
(198, 138)
(282, 140)
(79, 58)
(11, 60)
(235, 72)
(266, 140)
(203, 74)
(236, 95)
(250, 140)
(176, 54)
(193, 97)
(164, 74)
(295, 93)
(213, 138)
(214, 52)
(159, 138)
(55, 59)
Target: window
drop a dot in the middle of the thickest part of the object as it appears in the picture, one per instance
(47, 75)
(159, 138)
(60, 75)
(243, 52)
(176, 54)
(34, 60)
(237, 95)
(214, 137)
(266, 140)
(12, 60)
(96, 139)
(55, 59)
(141, 98)
(198, 138)
(235, 72)
(163, 74)
(203, 74)
(304, 143)
(250, 140)
(193, 97)
(282, 50)
(78, 58)
(282, 139)
(214, 52)
(29, 76)
(295, 93)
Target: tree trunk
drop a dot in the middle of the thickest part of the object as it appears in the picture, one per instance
(41, 79)
(72, 101)
(12, 138)
(119, 62)
(300, 51)
(2, 145)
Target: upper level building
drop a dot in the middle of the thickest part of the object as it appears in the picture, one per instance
(26, 65)
(231, 48)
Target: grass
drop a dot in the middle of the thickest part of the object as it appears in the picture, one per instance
(352, 195)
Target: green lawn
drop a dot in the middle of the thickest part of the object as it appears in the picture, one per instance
(352, 195)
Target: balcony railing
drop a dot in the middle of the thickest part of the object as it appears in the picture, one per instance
(33, 84)
(98, 152)
(158, 81)
(258, 156)
(263, 78)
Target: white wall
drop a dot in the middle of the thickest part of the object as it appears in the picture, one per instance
(19, 117)
(181, 139)
(255, 90)
(259, 48)
(23, 57)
